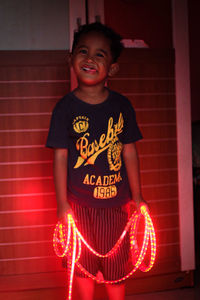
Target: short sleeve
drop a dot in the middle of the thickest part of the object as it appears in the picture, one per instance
(58, 136)
(131, 131)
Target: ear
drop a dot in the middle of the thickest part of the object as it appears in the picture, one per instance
(114, 68)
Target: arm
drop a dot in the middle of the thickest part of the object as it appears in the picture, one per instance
(133, 171)
(60, 181)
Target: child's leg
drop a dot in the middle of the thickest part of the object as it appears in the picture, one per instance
(86, 288)
(116, 266)
(116, 291)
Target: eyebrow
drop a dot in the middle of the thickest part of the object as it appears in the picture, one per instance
(99, 49)
(82, 46)
(102, 50)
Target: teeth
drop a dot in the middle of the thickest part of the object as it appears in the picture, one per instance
(86, 69)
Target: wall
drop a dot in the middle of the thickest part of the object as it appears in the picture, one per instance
(34, 25)
(193, 11)
(151, 21)
(144, 19)
(31, 83)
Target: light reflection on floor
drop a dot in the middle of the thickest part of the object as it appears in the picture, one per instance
(178, 294)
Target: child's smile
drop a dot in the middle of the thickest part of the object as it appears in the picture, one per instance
(89, 68)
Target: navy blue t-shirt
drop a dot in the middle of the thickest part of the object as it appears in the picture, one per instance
(94, 136)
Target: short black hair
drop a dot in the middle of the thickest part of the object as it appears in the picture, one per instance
(116, 45)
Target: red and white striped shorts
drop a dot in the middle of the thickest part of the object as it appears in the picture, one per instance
(102, 227)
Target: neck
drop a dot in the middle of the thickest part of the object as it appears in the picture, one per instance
(92, 94)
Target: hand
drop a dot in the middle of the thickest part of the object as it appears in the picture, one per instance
(138, 202)
(63, 209)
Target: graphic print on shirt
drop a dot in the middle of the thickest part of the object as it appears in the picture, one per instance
(80, 124)
(104, 186)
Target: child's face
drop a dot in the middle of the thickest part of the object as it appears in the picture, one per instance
(92, 59)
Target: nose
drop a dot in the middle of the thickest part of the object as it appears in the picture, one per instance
(90, 58)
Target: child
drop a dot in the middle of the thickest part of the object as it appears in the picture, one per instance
(96, 171)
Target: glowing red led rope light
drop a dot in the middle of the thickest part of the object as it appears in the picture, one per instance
(66, 245)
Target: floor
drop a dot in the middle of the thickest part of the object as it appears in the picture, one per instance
(56, 294)
(179, 294)
(182, 294)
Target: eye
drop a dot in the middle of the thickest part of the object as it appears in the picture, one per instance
(83, 51)
(99, 54)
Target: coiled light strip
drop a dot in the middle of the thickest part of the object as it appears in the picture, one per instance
(67, 241)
